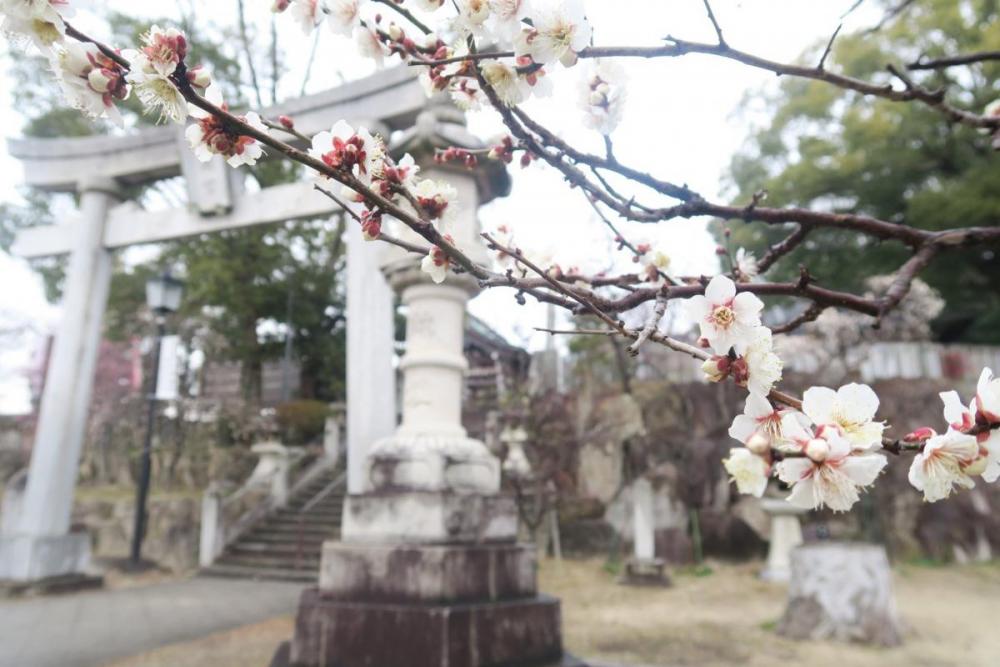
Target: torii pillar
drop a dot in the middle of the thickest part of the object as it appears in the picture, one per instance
(428, 572)
(42, 545)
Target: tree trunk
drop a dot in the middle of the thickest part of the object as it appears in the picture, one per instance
(842, 591)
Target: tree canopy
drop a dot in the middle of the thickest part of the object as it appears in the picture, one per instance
(826, 148)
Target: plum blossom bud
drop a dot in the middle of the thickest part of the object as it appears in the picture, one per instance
(977, 467)
(719, 250)
(759, 444)
(101, 80)
(817, 450)
(395, 32)
(280, 5)
(199, 77)
(716, 369)
(920, 435)
(286, 122)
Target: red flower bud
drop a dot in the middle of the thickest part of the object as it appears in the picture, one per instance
(286, 122)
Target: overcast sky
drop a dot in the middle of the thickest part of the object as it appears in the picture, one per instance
(683, 121)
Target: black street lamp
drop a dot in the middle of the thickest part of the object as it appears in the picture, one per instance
(163, 296)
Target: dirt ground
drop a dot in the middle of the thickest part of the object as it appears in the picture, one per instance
(723, 618)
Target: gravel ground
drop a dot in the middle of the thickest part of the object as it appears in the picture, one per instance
(724, 618)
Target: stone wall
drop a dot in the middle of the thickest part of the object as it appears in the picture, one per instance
(171, 537)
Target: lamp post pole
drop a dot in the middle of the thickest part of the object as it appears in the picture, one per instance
(139, 531)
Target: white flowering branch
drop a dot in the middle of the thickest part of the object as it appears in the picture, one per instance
(825, 445)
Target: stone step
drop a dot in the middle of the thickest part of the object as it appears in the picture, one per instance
(291, 513)
(309, 564)
(273, 574)
(263, 535)
(293, 528)
(302, 519)
(276, 548)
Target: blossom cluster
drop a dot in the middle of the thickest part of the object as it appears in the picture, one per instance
(828, 451)
(541, 34)
(363, 156)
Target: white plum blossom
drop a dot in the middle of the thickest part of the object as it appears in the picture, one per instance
(472, 15)
(656, 265)
(356, 152)
(307, 13)
(155, 90)
(852, 408)
(759, 418)
(559, 33)
(988, 397)
(962, 418)
(746, 264)
(343, 16)
(90, 80)
(727, 319)
(749, 471)
(436, 199)
(369, 45)
(507, 16)
(763, 367)
(602, 96)
(39, 22)
(164, 49)
(465, 93)
(510, 86)
(830, 473)
(428, 5)
(208, 136)
(436, 263)
(943, 464)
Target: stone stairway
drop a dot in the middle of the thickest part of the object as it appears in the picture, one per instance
(286, 544)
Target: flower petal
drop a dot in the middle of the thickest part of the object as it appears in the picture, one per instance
(747, 308)
(858, 402)
(720, 290)
(863, 470)
(742, 428)
(758, 406)
(820, 404)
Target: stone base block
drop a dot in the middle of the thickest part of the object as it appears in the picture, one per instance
(34, 557)
(645, 572)
(429, 517)
(337, 633)
(427, 573)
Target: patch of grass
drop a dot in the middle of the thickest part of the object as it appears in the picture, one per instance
(769, 626)
(701, 570)
(612, 566)
(924, 561)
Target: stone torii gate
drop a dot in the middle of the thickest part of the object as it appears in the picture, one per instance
(391, 102)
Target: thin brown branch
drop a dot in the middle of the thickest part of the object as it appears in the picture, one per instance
(652, 323)
(782, 248)
(248, 52)
(715, 23)
(952, 61)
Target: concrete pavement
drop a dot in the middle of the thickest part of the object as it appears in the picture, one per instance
(92, 628)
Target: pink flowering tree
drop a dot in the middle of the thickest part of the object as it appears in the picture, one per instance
(827, 446)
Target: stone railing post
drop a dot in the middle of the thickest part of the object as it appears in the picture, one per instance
(212, 536)
(273, 468)
(332, 441)
(786, 534)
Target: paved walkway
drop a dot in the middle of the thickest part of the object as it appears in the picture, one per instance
(92, 628)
